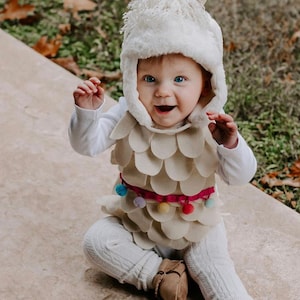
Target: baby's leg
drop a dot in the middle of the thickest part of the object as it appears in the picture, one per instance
(210, 265)
(110, 247)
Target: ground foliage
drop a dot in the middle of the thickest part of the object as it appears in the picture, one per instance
(261, 58)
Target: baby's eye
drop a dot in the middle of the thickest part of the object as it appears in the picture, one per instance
(179, 79)
(149, 78)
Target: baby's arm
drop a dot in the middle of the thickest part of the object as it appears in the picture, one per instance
(90, 127)
(237, 161)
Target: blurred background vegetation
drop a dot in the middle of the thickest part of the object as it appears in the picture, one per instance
(261, 58)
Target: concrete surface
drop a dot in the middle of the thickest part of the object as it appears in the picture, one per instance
(48, 199)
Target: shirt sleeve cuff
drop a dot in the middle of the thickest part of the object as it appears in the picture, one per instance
(231, 152)
(89, 114)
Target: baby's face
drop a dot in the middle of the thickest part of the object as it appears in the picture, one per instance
(169, 87)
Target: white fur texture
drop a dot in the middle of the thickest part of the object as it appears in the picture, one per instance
(157, 27)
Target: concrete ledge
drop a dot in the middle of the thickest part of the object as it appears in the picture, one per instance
(48, 199)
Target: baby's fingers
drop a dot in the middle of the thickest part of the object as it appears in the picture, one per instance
(95, 81)
(218, 117)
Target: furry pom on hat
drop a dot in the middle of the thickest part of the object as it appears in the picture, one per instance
(157, 27)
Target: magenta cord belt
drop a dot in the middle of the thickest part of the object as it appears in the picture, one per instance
(163, 200)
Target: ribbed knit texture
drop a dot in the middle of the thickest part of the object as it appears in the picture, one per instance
(209, 264)
(109, 247)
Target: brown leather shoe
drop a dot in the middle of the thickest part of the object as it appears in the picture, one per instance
(170, 282)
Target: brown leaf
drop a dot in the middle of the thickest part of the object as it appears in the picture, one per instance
(277, 194)
(294, 182)
(295, 169)
(78, 5)
(288, 79)
(69, 64)
(270, 180)
(294, 37)
(12, 11)
(230, 47)
(64, 28)
(101, 32)
(289, 196)
(268, 78)
(294, 204)
(273, 181)
(48, 48)
(104, 77)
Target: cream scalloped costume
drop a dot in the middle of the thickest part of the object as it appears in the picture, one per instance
(166, 193)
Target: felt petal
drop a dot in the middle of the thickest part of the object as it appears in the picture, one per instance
(191, 142)
(194, 184)
(139, 139)
(123, 127)
(156, 235)
(127, 202)
(209, 216)
(207, 163)
(147, 163)
(142, 240)
(178, 167)
(131, 174)
(163, 145)
(198, 208)
(153, 212)
(129, 225)
(179, 244)
(197, 232)
(175, 228)
(122, 153)
(162, 184)
(141, 217)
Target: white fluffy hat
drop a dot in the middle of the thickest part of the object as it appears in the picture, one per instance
(157, 27)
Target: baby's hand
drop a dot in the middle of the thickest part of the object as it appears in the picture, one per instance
(223, 129)
(89, 94)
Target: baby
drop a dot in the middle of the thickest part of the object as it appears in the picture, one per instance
(171, 138)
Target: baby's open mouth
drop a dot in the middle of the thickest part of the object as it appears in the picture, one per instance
(164, 108)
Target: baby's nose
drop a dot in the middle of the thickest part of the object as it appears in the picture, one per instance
(163, 90)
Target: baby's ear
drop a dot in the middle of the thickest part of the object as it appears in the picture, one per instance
(207, 89)
(207, 93)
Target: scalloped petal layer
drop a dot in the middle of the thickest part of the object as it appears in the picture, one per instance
(177, 161)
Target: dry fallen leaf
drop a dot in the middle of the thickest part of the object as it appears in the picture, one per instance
(48, 48)
(292, 175)
(295, 169)
(294, 37)
(78, 5)
(64, 28)
(69, 64)
(230, 47)
(288, 79)
(294, 182)
(268, 78)
(12, 11)
(271, 182)
(104, 77)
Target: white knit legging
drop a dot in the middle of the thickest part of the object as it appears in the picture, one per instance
(110, 247)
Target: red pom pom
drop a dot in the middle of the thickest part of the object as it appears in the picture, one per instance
(187, 208)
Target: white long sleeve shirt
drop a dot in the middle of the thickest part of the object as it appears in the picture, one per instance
(90, 130)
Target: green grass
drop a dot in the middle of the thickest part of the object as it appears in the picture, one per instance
(260, 58)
